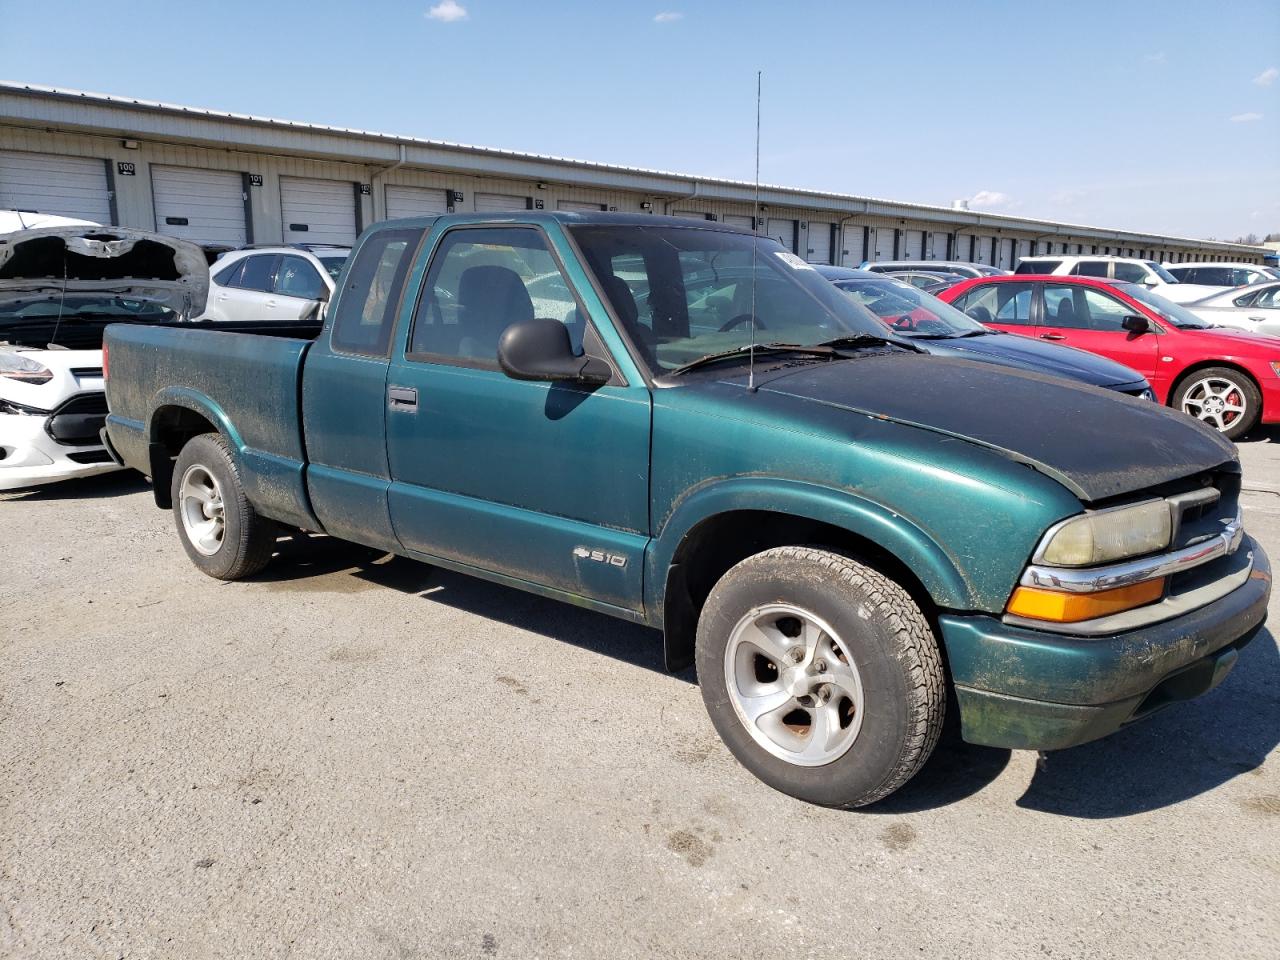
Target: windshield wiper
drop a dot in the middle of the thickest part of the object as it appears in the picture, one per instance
(870, 340)
(825, 351)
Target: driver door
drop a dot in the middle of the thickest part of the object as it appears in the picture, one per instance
(542, 483)
(1085, 317)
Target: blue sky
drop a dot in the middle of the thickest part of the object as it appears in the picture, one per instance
(1128, 114)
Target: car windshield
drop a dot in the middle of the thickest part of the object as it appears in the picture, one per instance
(989, 271)
(684, 293)
(333, 264)
(1174, 313)
(1161, 272)
(910, 311)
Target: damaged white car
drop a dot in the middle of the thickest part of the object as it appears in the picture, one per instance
(59, 288)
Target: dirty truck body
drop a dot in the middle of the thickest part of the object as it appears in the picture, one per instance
(837, 533)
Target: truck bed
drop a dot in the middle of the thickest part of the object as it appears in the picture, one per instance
(244, 379)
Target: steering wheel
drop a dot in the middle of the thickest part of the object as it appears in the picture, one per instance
(740, 320)
(904, 322)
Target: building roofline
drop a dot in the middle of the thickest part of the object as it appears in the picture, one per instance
(724, 188)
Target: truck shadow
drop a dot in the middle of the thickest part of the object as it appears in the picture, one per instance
(305, 562)
(1180, 753)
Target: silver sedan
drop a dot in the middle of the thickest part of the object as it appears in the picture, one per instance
(1255, 307)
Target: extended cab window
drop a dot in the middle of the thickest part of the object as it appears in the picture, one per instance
(365, 313)
(483, 280)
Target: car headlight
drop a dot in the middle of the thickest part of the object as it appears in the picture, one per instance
(1107, 535)
(17, 367)
(1275, 367)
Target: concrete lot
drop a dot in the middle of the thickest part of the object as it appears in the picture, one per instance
(365, 758)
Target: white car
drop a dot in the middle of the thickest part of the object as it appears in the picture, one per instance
(1129, 269)
(59, 288)
(1222, 274)
(1255, 308)
(282, 284)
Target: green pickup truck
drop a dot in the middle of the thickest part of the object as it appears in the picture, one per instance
(683, 425)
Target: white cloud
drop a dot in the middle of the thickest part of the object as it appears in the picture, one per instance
(1245, 117)
(1267, 77)
(1154, 57)
(447, 11)
(989, 198)
(668, 16)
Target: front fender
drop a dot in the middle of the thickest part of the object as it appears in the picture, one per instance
(936, 570)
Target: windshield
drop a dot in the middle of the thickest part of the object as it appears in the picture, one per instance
(333, 265)
(910, 311)
(1174, 313)
(1160, 272)
(989, 271)
(684, 293)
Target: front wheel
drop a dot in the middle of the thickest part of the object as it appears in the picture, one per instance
(221, 532)
(821, 675)
(1225, 399)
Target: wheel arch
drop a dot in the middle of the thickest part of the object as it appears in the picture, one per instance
(177, 415)
(717, 528)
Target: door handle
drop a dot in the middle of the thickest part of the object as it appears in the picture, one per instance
(1052, 336)
(402, 398)
(271, 303)
(1258, 319)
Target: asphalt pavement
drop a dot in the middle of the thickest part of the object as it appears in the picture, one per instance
(357, 756)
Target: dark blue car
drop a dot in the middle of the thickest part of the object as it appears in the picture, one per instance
(943, 330)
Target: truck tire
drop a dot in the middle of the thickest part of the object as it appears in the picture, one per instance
(1225, 399)
(821, 675)
(221, 532)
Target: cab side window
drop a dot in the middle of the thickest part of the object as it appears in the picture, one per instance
(1130, 272)
(257, 273)
(1105, 313)
(1007, 304)
(1090, 268)
(481, 281)
(1061, 308)
(365, 313)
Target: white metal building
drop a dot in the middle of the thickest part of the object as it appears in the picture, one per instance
(223, 178)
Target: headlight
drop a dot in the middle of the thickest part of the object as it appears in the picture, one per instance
(1275, 367)
(1108, 535)
(17, 367)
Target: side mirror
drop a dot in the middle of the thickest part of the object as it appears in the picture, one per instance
(540, 349)
(324, 295)
(1136, 324)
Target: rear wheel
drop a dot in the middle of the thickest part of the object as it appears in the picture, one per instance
(1225, 399)
(821, 675)
(221, 532)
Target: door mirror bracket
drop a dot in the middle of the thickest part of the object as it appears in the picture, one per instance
(540, 349)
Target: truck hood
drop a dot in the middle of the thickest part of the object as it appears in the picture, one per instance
(49, 264)
(1096, 443)
(1036, 356)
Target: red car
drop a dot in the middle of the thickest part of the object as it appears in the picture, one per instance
(1228, 378)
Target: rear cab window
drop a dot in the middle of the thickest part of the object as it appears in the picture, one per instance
(364, 316)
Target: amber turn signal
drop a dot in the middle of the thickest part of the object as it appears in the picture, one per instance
(1035, 603)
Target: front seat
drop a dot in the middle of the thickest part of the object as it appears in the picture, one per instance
(491, 298)
(624, 302)
(1066, 313)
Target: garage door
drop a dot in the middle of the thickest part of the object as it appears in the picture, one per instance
(981, 249)
(1006, 254)
(581, 206)
(318, 211)
(851, 250)
(500, 203)
(203, 206)
(59, 186)
(819, 249)
(938, 246)
(784, 231)
(881, 244)
(912, 245)
(405, 201)
(738, 220)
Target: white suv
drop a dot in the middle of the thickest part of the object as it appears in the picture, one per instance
(283, 284)
(1129, 269)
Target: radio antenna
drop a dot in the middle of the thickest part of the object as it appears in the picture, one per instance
(755, 247)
